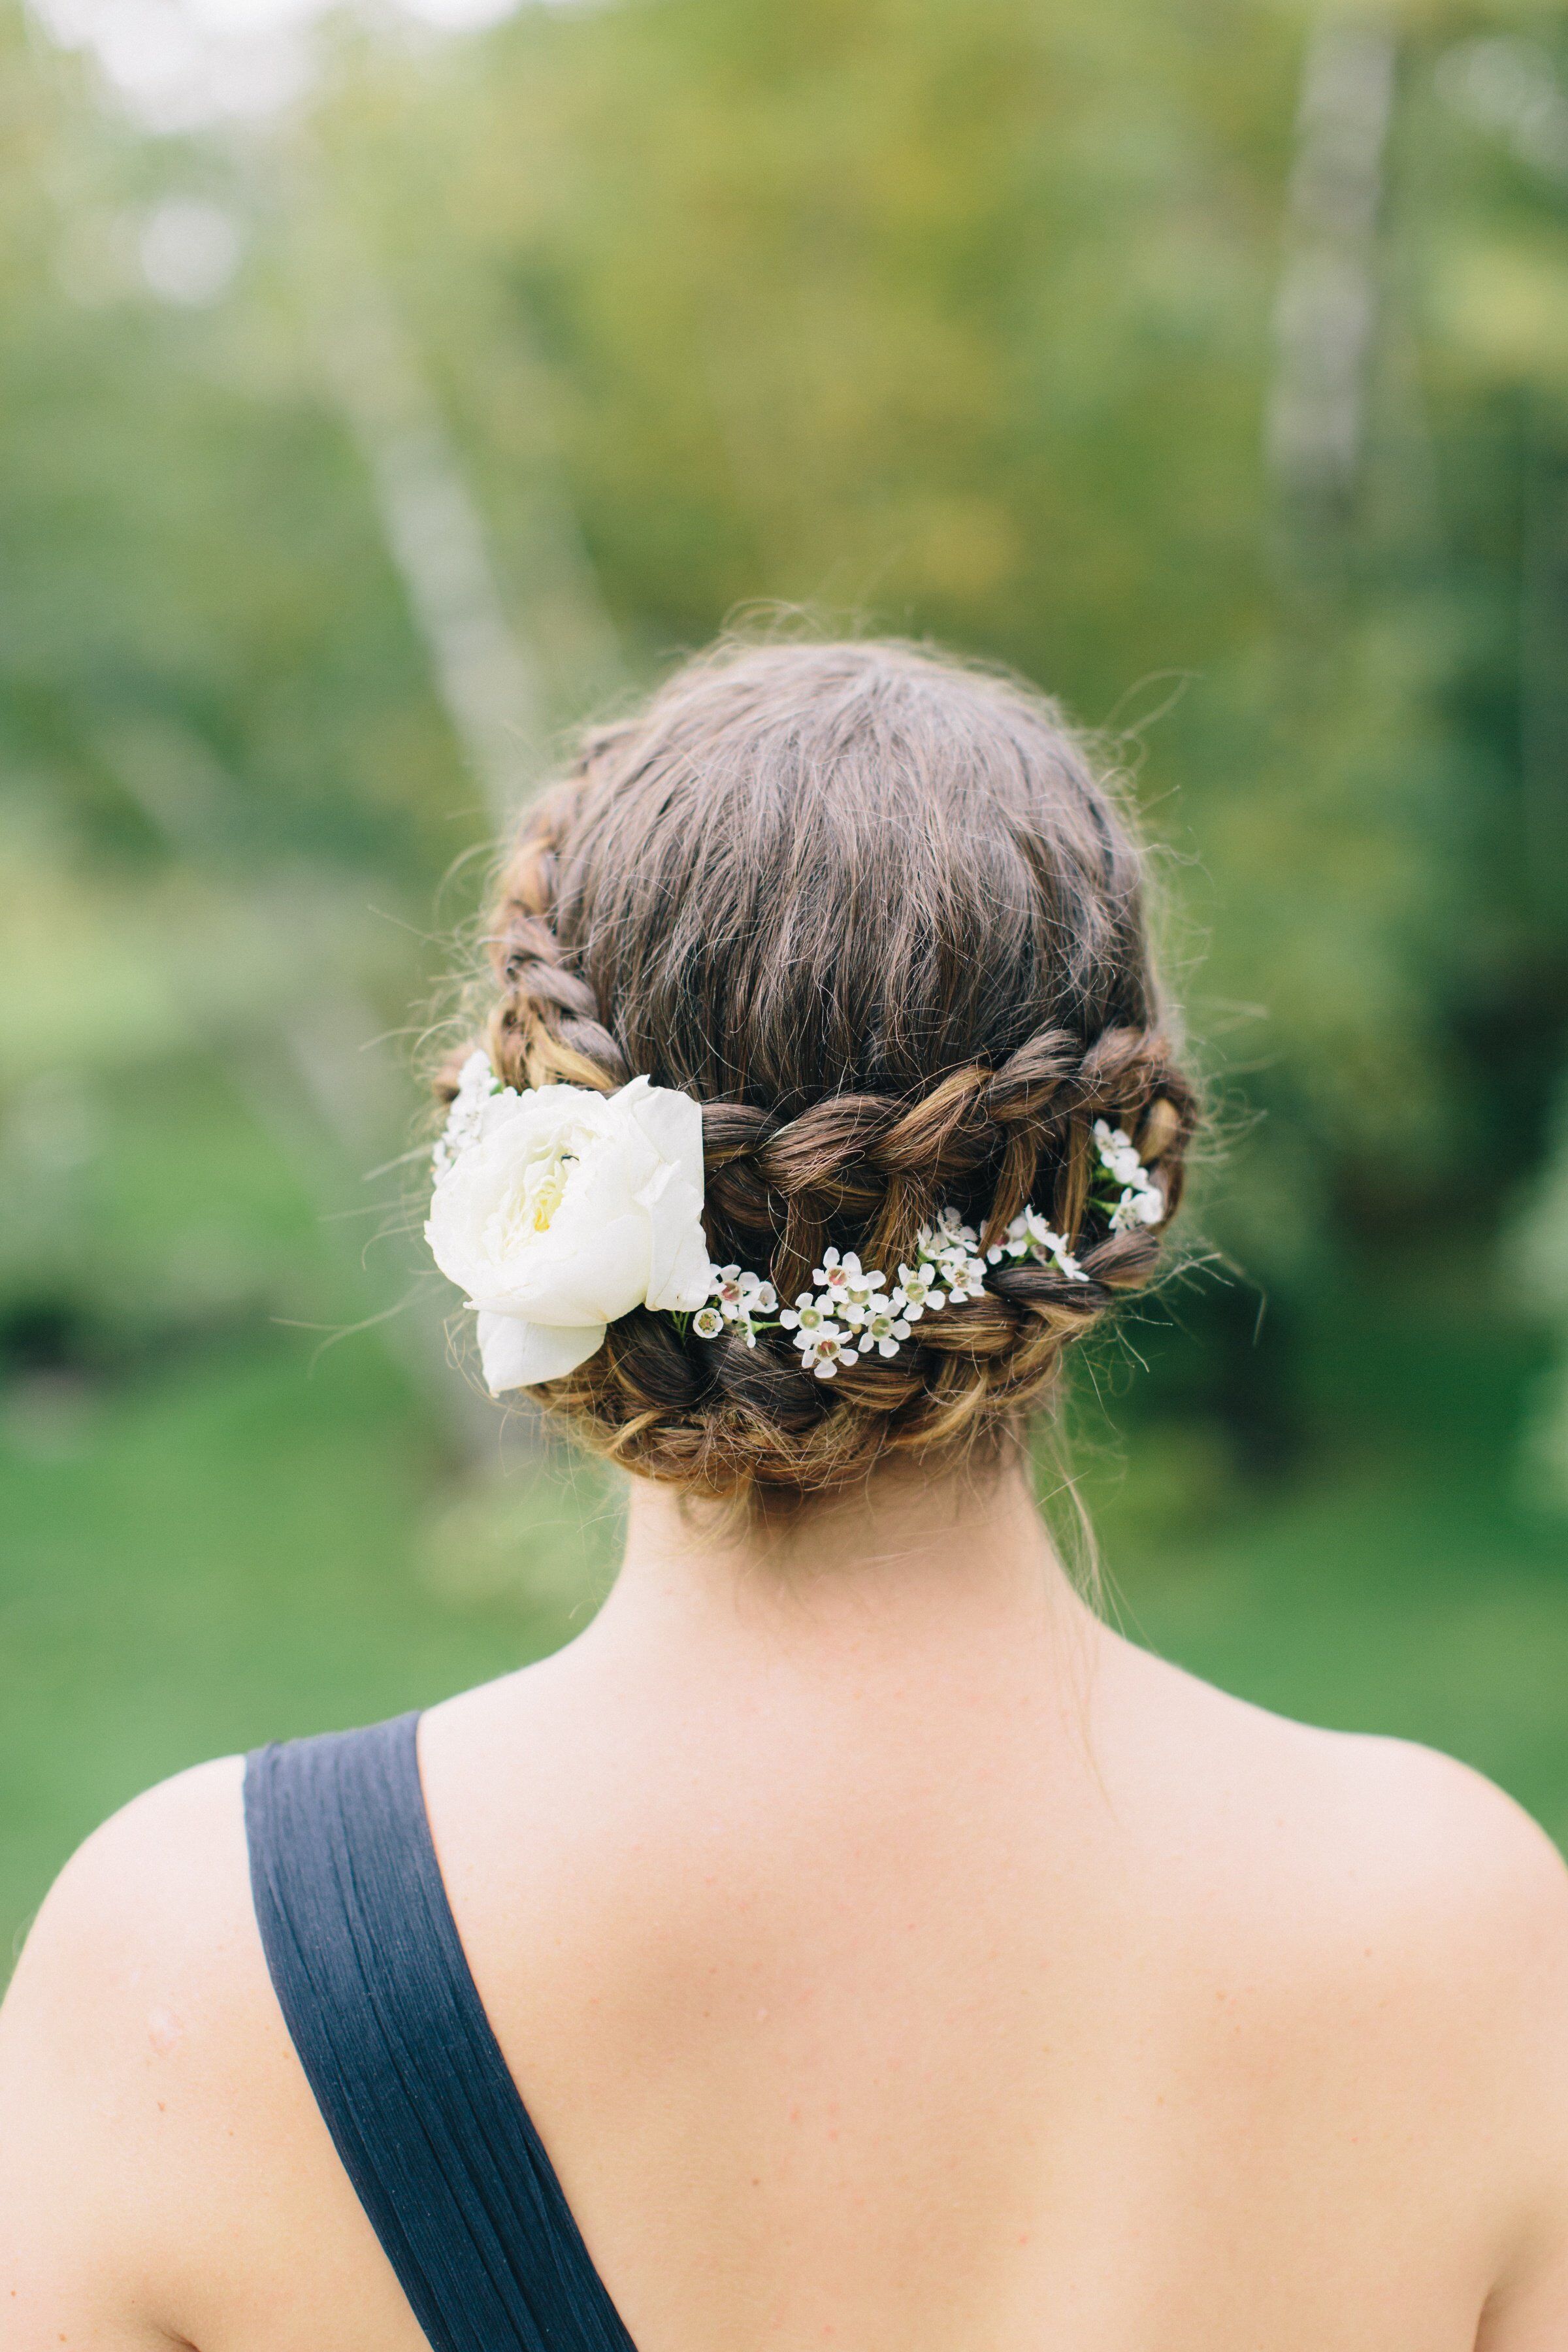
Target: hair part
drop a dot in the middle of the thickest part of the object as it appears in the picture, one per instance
(876, 910)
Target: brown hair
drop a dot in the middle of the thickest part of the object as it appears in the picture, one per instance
(875, 911)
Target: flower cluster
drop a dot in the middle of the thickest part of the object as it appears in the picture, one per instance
(558, 1209)
(736, 1301)
(853, 1312)
(477, 1082)
(1141, 1201)
(1028, 1235)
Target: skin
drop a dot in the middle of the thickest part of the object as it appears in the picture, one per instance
(892, 1957)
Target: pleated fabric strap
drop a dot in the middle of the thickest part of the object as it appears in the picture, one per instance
(377, 1995)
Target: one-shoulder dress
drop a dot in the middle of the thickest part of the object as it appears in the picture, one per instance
(378, 1998)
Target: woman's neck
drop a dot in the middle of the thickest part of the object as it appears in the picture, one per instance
(907, 1585)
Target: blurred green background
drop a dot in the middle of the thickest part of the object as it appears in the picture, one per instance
(385, 391)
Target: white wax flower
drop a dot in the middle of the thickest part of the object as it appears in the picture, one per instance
(1141, 1202)
(466, 1117)
(561, 1211)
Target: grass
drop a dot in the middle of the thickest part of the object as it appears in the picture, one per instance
(227, 1553)
(1396, 1582)
(238, 1547)
(1391, 1601)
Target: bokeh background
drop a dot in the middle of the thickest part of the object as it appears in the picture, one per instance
(381, 390)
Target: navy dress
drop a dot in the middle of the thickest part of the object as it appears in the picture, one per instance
(377, 1996)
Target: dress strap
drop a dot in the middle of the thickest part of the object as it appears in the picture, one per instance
(377, 1995)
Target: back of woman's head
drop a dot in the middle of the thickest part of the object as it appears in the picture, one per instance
(875, 911)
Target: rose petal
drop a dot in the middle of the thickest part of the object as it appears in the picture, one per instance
(516, 1354)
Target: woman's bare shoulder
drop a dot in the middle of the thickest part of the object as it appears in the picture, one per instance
(138, 2024)
(155, 1903)
(155, 1899)
(1360, 1828)
(1410, 1825)
(1383, 1911)
(1466, 1891)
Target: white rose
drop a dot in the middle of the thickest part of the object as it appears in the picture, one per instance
(563, 1211)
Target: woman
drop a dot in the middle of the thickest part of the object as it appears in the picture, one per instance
(848, 1940)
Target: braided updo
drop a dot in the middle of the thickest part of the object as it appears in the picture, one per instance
(874, 910)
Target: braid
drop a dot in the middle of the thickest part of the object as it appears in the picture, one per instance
(870, 1171)
(690, 902)
(546, 1028)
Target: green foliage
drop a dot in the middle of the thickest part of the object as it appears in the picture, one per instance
(953, 320)
(963, 321)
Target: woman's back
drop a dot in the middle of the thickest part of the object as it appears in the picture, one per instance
(891, 1958)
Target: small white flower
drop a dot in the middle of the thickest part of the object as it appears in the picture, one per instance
(727, 1288)
(917, 1291)
(822, 1350)
(477, 1082)
(864, 1298)
(739, 1295)
(1145, 1206)
(1028, 1235)
(964, 1276)
(741, 1298)
(1013, 1243)
(808, 1314)
(1118, 1155)
(843, 1278)
(885, 1330)
(1142, 1202)
(756, 1298)
(707, 1323)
